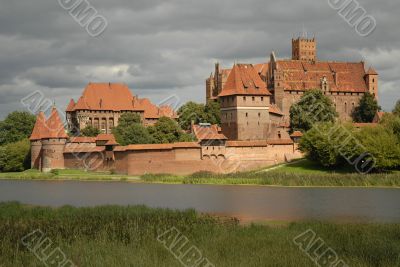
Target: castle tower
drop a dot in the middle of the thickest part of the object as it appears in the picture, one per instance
(53, 143)
(39, 130)
(371, 79)
(245, 102)
(304, 49)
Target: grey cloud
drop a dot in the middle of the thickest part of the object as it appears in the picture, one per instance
(169, 47)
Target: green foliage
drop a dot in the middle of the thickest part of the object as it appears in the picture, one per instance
(135, 133)
(189, 112)
(392, 123)
(324, 144)
(367, 109)
(15, 157)
(313, 107)
(90, 131)
(167, 130)
(383, 145)
(127, 119)
(198, 113)
(16, 126)
(213, 112)
(127, 236)
(396, 110)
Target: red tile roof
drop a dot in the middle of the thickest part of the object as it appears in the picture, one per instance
(372, 71)
(158, 146)
(296, 134)
(55, 127)
(83, 149)
(40, 127)
(207, 133)
(262, 69)
(117, 97)
(274, 109)
(106, 96)
(82, 139)
(71, 106)
(341, 76)
(244, 80)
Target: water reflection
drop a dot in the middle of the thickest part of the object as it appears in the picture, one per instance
(245, 202)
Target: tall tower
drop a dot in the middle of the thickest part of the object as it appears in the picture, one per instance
(371, 79)
(53, 143)
(304, 49)
(245, 104)
(38, 132)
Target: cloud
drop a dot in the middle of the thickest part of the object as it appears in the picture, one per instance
(162, 48)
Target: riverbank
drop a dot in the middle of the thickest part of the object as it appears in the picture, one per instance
(301, 173)
(127, 236)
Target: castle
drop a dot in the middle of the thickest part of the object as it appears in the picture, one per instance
(343, 82)
(255, 102)
(101, 105)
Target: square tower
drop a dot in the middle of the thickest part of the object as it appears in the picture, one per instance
(245, 104)
(304, 49)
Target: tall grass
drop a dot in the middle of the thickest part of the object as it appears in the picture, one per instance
(283, 178)
(126, 236)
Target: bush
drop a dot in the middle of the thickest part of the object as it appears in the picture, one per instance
(383, 144)
(325, 144)
(15, 157)
(90, 131)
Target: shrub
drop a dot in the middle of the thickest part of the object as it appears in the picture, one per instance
(15, 157)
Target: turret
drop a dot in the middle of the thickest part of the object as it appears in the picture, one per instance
(39, 130)
(53, 143)
(371, 79)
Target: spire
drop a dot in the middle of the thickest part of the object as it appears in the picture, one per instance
(40, 129)
(55, 127)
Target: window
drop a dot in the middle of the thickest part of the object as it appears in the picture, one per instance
(262, 98)
(244, 98)
(345, 107)
(253, 98)
(259, 114)
(247, 114)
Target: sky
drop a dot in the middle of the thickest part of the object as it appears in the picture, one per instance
(165, 49)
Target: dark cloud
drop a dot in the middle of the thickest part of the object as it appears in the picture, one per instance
(167, 48)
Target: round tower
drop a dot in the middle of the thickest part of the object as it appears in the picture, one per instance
(36, 143)
(53, 143)
(53, 153)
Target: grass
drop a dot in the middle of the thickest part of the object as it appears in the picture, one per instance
(127, 236)
(299, 173)
(67, 175)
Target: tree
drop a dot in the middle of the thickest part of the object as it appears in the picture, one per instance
(189, 112)
(135, 133)
(391, 122)
(396, 110)
(213, 112)
(15, 157)
(90, 131)
(367, 109)
(128, 119)
(167, 130)
(313, 107)
(324, 143)
(16, 126)
(383, 145)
